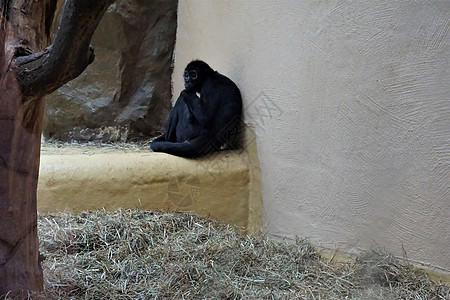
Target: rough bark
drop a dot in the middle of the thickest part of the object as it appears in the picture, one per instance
(42, 73)
(29, 70)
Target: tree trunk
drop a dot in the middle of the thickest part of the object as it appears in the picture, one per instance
(29, 71)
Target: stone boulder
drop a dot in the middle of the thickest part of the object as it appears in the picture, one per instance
(126, 93)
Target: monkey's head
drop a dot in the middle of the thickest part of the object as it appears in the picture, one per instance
(195, 74)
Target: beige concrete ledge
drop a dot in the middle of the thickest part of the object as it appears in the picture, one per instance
(221, 186)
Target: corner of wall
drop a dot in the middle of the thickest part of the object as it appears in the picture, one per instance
(255, 202)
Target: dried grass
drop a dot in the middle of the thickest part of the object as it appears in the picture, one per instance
(133, 254)
(89, 148)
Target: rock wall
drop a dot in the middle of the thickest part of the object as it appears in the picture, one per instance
(126, 93)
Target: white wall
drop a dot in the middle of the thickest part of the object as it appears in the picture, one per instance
(350, 104)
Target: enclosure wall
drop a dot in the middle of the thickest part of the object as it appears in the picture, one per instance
(350, 105)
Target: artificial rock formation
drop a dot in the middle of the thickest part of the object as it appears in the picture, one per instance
(126, 92)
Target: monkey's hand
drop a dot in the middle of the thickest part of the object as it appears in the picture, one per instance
(188, 95)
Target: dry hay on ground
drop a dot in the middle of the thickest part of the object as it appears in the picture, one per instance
(133, 254)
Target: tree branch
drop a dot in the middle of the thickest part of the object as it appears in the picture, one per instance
(41, 73)
(4, 7)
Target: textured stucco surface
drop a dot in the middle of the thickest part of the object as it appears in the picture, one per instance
(221, 187)
(350, 104)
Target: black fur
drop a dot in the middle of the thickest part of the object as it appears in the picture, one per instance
(199, 125)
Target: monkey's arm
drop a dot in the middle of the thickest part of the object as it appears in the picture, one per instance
(202, 108)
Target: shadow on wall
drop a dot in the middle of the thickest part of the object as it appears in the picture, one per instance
(126, 93)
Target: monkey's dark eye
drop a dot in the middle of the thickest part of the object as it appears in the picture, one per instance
(193, 74)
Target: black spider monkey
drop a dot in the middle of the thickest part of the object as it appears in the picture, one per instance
(199, 125)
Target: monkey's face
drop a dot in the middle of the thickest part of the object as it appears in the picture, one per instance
(193, 80)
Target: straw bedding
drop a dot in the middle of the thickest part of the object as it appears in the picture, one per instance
(133, 254)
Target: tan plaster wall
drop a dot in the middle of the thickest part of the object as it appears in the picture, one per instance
(221, 187)
(350, 104)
